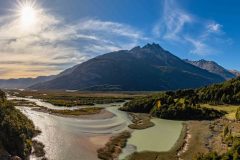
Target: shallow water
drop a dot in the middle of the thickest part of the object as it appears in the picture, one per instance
(74, 138)
(161, 137)
(78, 139)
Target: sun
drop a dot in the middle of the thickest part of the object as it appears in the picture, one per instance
(27, 14)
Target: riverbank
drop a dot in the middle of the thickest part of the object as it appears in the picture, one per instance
(142, 122)
(71, 99)
(83, 134)
(17, 131)
(89, 112)
(114, 147)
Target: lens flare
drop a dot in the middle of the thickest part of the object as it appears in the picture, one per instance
(27, 14)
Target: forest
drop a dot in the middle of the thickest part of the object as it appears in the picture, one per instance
(185, 104)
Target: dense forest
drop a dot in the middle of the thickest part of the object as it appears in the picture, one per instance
(16, 130)
(185, 104)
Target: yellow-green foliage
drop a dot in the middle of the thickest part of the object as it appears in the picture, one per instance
(232, 154)
(179, 105)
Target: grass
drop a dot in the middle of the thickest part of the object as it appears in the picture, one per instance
(23, 103)
(75, 112)
(230, 109)
(69, 99)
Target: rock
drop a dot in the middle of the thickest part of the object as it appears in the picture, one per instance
(15, 158)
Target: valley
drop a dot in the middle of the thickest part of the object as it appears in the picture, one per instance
(119, 80)
(102, 129)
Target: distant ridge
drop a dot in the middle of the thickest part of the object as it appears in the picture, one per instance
(148, 68)
(235, 72)
(213, 67)
(22, 83)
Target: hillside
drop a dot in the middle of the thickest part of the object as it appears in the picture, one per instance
(147, 68)
(185, 104)
(213, 67)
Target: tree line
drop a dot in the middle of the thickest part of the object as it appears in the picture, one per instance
(185, 104)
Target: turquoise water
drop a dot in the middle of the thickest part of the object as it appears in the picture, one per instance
(161, 137)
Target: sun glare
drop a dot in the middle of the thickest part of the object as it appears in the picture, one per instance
(27, 14)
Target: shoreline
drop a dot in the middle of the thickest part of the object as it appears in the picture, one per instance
(186, 141)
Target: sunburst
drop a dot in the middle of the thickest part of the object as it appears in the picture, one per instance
(27, 13)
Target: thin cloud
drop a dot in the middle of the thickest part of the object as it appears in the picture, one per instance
(214, 27)
(199, 47)
(172, 22)
(178, 25)
(52, 45)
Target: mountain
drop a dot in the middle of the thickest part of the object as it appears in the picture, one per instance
(147, 68)
(235, 72)
(23, 83)
(213, 67)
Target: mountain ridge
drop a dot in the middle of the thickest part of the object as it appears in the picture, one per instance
(212, 67)
(146, 68)
(22, 83)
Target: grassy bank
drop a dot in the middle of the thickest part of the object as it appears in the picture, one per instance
(229, 109)
(75, 112)
(69, 99)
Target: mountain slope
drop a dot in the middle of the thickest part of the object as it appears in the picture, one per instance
(213, 67)
(235, 72)
(141, 69)
(23, 83)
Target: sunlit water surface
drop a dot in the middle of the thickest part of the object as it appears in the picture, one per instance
(78, 139)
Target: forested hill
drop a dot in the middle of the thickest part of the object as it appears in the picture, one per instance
(184, 104)
(16, 130)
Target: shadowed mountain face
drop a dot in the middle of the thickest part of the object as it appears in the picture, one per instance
(213, 67)
(148, 68)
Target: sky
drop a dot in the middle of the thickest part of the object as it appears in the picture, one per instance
(43, 37)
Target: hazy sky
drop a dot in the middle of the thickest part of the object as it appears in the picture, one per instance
(44, 37)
